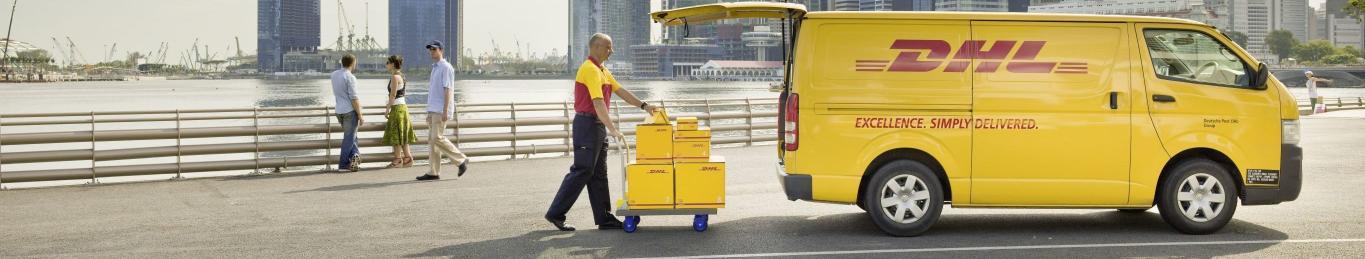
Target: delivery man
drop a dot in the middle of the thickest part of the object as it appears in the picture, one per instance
(593, 87)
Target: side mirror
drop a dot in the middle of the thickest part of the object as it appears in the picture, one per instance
(1262, 76)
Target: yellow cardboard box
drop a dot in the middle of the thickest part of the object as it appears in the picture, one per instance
(654, 143)
(701, 185)
(692, 145)
(649, 186)
(687, 123)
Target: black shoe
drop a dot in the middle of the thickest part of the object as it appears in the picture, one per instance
(462, 168)
(611, 225)
(559, 224)
(427, 177)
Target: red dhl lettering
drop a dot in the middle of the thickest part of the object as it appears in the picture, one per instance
(710, 168)
(930, 55)
(658, 171)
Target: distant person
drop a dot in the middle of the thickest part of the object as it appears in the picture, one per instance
(439, 106)
(398, 129)
(1312, 84)
(592, 89)
(348, 112)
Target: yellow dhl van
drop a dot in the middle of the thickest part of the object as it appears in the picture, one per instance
(903, 112)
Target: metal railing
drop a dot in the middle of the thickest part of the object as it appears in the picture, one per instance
(481, 130)
(1332, 104)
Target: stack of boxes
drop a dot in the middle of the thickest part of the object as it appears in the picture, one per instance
(673, 167)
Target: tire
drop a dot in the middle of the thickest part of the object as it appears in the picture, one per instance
(923, 193)
(1198, 197)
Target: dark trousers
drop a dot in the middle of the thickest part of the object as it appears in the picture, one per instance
(589, 169)
(350, 150)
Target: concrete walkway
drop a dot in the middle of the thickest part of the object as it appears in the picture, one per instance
(495, 212)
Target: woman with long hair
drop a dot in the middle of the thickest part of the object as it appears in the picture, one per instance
(398, 131)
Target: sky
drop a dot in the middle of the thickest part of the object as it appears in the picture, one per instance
(141, 25)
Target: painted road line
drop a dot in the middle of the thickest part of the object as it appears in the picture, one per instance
(1033, 247)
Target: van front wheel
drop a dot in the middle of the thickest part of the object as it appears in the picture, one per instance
(904, 198)
(1198, 197)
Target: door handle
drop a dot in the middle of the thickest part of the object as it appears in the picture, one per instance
(1161, 98)
(1114, 100)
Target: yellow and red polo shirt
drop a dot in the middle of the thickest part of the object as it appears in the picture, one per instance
(593, 82)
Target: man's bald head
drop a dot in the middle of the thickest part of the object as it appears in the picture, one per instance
(599, 46)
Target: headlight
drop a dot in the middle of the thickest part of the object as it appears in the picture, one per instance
(1290, 132)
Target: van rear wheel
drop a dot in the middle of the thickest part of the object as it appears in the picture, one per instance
(1198, 197)
(904, 198)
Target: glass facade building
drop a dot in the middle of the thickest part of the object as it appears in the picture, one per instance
(283, 27)
(414, 23)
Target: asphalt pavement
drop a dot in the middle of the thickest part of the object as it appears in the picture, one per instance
(496, 211)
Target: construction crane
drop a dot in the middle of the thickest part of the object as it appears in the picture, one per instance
(75, 52)
(239, 47)
(112, 49)
(57, 45)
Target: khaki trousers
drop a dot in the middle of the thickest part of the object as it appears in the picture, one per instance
(439, 145)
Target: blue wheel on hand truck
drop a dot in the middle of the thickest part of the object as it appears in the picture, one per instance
(632, 222)
(699, 222)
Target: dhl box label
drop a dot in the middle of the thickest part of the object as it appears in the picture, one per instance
(654, 141)
(698, 133)
(701, 184)
(649, 186)
(691, 148)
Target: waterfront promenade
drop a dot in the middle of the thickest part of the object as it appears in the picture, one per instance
(495, 212)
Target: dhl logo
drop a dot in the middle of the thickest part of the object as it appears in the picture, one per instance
(930, 55)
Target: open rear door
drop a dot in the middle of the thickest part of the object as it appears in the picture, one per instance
(712, 12)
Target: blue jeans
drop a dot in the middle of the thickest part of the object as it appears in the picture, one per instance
(349, 148)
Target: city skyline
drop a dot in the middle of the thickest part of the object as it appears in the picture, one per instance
(142, 26)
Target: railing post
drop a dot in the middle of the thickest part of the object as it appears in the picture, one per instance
(178, 155)
(2, 152)
(708, 111)
(617, 111)
(1360, 101)
(256, 139)
(93, 179)
(455, 133)
(514, 130)
(749, 121)
(327, 114)
(568, 141)
(1339, 104)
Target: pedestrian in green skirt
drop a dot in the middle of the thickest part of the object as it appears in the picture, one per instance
(398, 131)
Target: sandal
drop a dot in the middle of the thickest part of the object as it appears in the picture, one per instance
(395, 164)
(407, 162)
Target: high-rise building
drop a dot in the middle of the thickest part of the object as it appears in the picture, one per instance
(816, 5)
(913, 5)
(847, 5)
(1292, 16)
(1342, 29)
(414, 23)
(874, 5)
(283, 27)
(627, 22)
(1317, 26)
(1162, 8)
(973, 5)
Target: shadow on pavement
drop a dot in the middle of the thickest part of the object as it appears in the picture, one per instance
(358, 186)
(854, 231)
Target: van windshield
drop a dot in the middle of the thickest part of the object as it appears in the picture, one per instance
(1192, 56)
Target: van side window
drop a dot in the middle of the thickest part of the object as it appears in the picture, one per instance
(1195, 57)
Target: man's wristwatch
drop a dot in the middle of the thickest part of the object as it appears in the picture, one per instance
(643, 105)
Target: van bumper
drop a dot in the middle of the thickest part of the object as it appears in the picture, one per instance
(796, 186)
(1291, 180)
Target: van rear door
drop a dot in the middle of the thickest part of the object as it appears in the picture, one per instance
(1051, 116)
